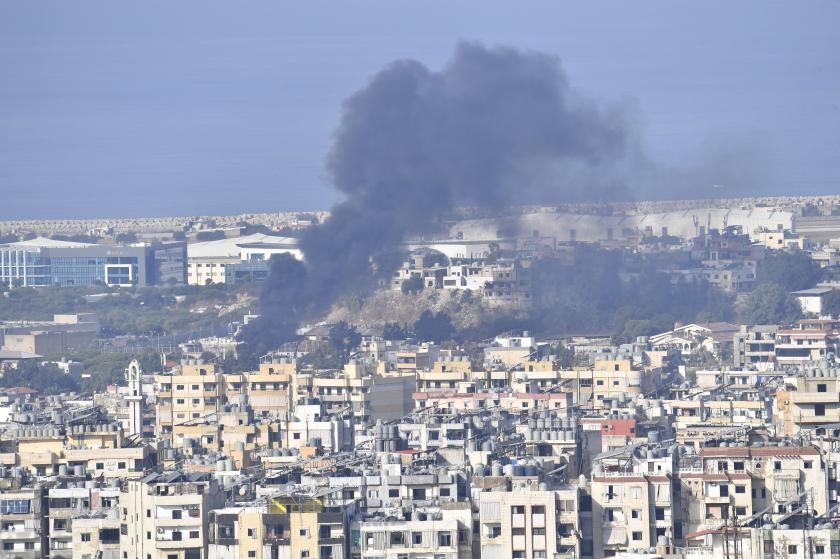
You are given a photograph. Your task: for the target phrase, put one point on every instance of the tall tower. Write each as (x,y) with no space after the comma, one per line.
(134,377)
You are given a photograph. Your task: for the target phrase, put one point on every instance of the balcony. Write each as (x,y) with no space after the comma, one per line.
(718,499)
(815,397)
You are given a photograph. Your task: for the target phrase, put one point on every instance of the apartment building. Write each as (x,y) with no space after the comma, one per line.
(530,524)
(809,401)
(808,340)
(632,500)
(166,516)
(67,504)
(314,528)
(270,389)
(97,535)
(249,531)
(443,533)
(820,542)
(193,391)
(24,523)
(359,390)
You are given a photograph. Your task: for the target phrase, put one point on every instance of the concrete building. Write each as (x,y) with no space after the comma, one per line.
(194,391)
(166,516)
(444,533)
(231,260)
(44,262)
(97,536)
(755,346)
(530,524)
(69,505)
(24,521)
(811,299)
(65,333)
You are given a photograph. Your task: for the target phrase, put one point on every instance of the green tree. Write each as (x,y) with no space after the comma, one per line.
(831,304)
(564,357)
(393,331)
(344,339)
(46,379)
(210,235)
(414,284)
(127,237)
(434,327)
(770,304)
(791,271)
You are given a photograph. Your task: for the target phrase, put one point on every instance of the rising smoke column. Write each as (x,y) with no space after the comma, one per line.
(416,143)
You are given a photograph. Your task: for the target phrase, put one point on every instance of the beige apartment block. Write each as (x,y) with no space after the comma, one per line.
(165,516)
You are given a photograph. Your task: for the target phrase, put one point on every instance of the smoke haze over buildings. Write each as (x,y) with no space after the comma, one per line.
(494,127)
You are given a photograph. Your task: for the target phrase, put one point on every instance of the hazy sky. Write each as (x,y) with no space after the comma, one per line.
(198,107)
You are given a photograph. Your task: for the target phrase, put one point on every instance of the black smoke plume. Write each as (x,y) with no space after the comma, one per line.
(416,143)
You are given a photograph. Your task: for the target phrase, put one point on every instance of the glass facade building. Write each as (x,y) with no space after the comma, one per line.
(27,265)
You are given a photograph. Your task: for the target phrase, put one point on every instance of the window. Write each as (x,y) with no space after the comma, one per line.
(819,409)
(250,532)
(444,492)
(738,466)
(637,536)
(819,549)
(86,537)
(194,534)
(777,466)
(444,540)
(393,493)
(660,513)
(252,553)
(304,533)
(808,464)
(538,509)
(740,511)
(635,514)
(517,531)
(724,491)
(740,489)
(100,466)
(296,436)
(176,514)
(416,538)
(791,550)
(148,535)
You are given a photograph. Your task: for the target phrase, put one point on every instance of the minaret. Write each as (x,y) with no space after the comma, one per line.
(134,376)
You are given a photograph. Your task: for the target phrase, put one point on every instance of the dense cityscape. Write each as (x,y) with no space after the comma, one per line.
(698,416)
(419,280)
